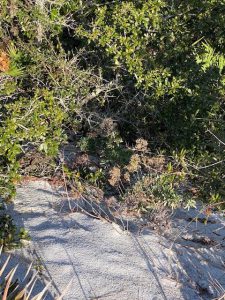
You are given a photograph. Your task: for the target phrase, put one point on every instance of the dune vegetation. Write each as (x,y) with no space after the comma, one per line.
(137,87)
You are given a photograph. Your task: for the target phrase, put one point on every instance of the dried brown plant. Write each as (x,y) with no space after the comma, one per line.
(4,61)
(114,176)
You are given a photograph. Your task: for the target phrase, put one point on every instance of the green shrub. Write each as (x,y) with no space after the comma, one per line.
(44,90)
(173,52)
(122,69)
(161,45)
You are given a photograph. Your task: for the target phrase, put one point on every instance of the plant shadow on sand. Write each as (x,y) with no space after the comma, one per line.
(199,245)
(104,263)
(25,262)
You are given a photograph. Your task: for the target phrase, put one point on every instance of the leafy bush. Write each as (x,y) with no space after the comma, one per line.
(122,70)
(150,191)
(173,52)
(161,45)
(43,89)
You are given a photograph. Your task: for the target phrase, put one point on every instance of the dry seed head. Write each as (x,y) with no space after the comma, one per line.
(4,61)
(134,163)
(114,176)
(126,177)
(141,145)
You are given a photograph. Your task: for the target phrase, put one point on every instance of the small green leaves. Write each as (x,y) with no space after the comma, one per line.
(209,58)
(10,236)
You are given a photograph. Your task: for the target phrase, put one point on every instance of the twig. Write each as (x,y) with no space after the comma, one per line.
(221,142)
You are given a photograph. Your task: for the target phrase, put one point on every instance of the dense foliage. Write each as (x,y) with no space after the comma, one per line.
(173,51)
(115,72)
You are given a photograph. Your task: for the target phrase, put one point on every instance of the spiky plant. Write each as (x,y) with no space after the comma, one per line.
(13,289)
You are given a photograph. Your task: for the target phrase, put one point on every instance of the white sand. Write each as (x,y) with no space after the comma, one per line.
(109,264)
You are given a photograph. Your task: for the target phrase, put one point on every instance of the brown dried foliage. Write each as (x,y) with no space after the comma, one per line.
(114,176)
(4,61)
(141,145)
(134,163)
